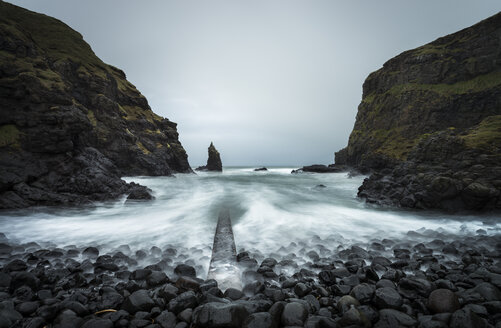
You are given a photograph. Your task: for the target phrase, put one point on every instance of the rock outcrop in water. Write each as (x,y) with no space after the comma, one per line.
(429,124)
(71,125)
(213,162)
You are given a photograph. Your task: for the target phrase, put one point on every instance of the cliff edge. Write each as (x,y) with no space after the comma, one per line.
(429,124)
(71,125)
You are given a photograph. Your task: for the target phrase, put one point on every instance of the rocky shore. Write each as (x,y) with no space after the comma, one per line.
(428,279)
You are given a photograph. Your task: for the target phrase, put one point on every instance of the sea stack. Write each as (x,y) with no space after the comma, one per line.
(213,162)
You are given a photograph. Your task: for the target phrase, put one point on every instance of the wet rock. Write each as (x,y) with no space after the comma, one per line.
(389,318)
(156,278)
(187,283)
(9,315)
(185,300)
(16,265)
(259,320)
(261,169)
(166,319)
(353,317)
(465,318)
(233,293)
(91,252)
(301,289)
(27,308)
(363,292)
(443,300)
(346,302)
(139,300)
(214,315)
(387,298)
(98,323)
(294,314)
(185,270)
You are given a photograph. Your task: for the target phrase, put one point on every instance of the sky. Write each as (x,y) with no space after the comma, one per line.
(270,82)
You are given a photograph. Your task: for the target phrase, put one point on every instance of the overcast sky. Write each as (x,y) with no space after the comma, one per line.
(269,82)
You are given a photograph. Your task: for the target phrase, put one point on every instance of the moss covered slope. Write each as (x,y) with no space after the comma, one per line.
(451,83)
(429,124)
(59,100)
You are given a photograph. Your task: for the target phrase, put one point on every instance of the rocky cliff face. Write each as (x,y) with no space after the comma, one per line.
(429,124)
(71,125)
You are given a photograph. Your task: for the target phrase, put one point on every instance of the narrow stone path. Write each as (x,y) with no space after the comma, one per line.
(223,265)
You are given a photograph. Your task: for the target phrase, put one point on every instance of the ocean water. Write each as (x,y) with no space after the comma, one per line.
(269,210)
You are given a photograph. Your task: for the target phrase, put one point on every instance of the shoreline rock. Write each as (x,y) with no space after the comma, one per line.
(384,282)
(319,168)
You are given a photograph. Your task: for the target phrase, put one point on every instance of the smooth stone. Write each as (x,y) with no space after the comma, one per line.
(390,318)
(346,302)
(212,315)
(363,292)
(294,314)
(139,300)
(185,270)
(259,320)
(387,298)
(443,300)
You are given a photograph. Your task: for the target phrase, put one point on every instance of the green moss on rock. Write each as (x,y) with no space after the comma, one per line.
(9,136)
(486,135)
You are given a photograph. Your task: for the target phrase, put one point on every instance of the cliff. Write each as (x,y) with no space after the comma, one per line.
(71,125)
(429,124)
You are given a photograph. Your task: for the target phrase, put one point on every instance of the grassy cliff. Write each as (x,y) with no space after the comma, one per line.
(61,103)
(451,83)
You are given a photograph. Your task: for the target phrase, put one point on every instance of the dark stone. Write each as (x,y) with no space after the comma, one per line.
(346,302)
(27,308)
(294,314)
(16,265)
(98,323)
(156,278)
(140,193)
(233,293)
(259,320)
(183,301)
(387,298)
(261,169)
(185,270)
(138,301)
(363,292)
(443,300)
(166,319)
(219,315)
(465,318)
(301,289)
(389,318)
(92,252)
(9,315)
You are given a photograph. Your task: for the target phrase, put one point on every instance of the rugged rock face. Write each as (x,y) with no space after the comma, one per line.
(430,124)
(71,125)
(213,162)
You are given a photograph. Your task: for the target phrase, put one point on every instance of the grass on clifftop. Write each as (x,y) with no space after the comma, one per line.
(486,135)
(477,84)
